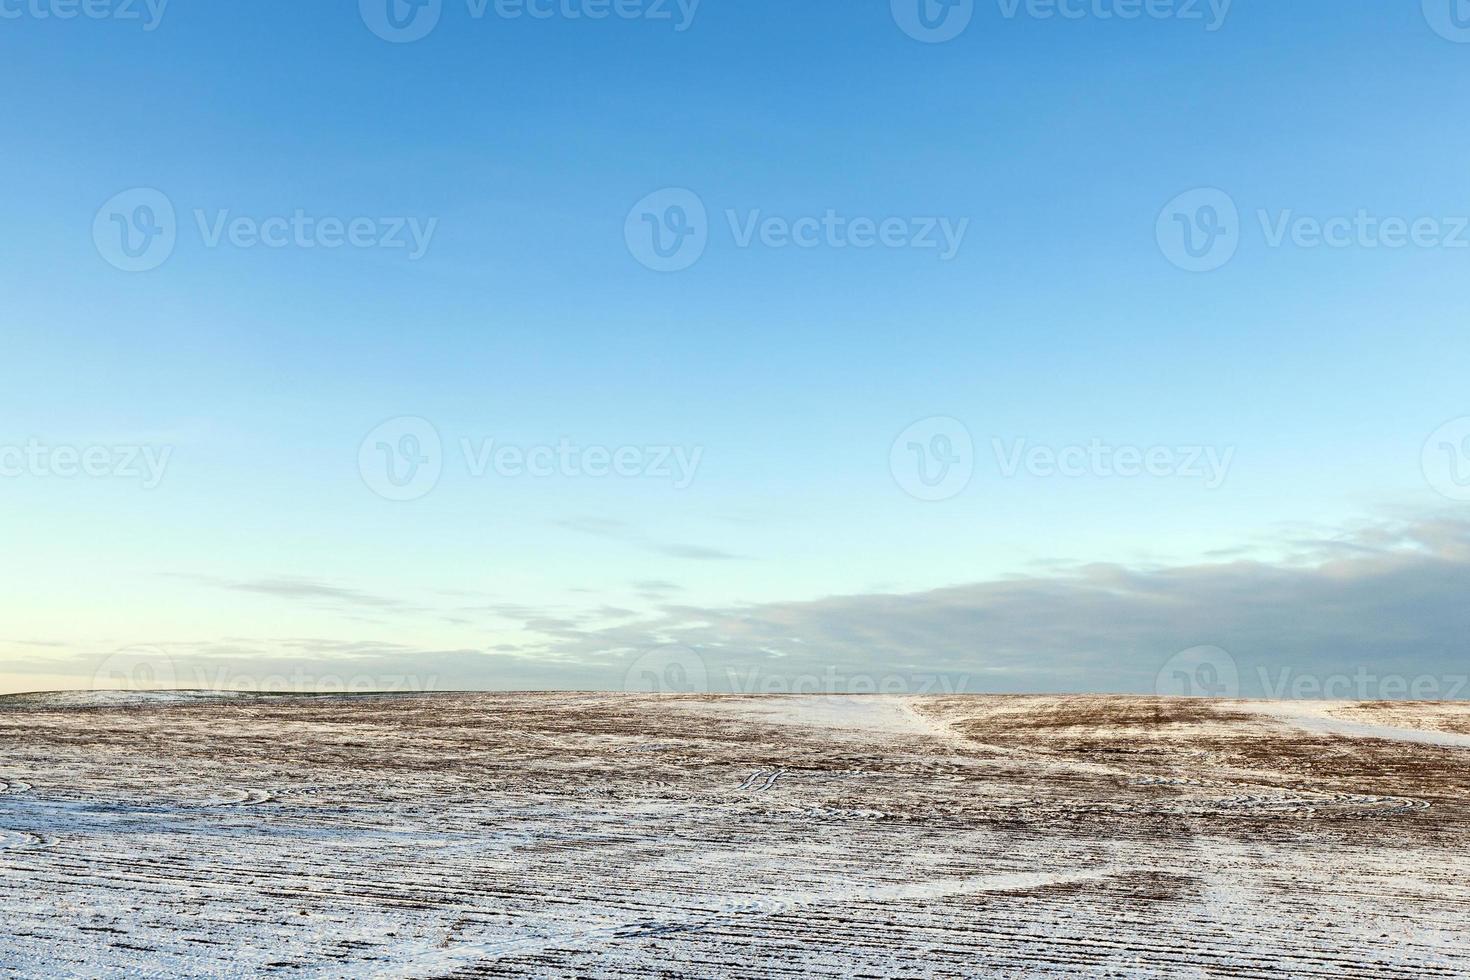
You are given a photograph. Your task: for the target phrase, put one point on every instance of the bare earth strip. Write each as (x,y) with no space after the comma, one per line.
(564,835)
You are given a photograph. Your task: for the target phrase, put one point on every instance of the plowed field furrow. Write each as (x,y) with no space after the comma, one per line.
(584,835)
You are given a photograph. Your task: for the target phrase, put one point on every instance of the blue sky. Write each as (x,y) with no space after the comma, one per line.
(1060,322)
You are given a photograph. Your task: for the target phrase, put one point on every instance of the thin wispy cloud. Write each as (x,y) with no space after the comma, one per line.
(656,586)
(308,590)
(620,531)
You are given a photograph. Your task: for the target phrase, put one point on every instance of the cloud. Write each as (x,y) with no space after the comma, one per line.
(656,586)
(694,552)
(595,525)
(1383,598)
(1386,599)
(357,605)
(310,664)
(619,531)
(308,590)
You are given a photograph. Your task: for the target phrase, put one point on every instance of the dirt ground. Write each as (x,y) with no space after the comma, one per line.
(586,835)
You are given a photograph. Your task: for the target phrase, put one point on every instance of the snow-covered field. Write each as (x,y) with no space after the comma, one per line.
(561,835)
